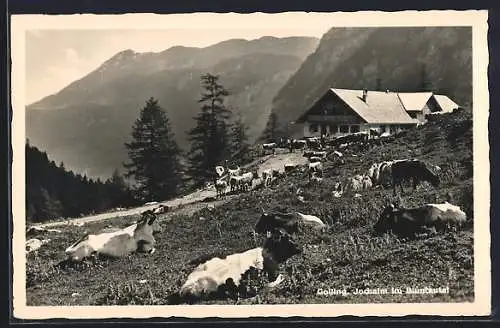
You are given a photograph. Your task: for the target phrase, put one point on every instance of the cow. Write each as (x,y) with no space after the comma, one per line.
(355,183)
(407,221)
(415,169)
(224,275)
(321,154)
(233,172)
(316,166)
(247,179)
(219,170)
(34,230)
(313,143)
(308,153)
(349,138)
(269,175)
(235,182)
(33,244)
(270,220)
(289,167)
(296,144)
(314,159)
(220,187)
(269,146)
(367,182)
(315,176)
(137,237)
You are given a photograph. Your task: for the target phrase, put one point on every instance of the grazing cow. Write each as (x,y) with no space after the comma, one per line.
(321,154)
(308,153)
(380,173)
(315,176)
(406,221)
(219,170)
(316,167)
(269,146)
(313,143)
(289,168)
(137,237)
(314,159)
(354,183)
(367,182)
(32,245)
(415,169)
(288,221)
(268,176)
(220,187)
(247,179)
(224,275)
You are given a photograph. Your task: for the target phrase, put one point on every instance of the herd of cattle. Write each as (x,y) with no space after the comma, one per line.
(224,273)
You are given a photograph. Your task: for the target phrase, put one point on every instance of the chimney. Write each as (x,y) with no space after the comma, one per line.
(365,94)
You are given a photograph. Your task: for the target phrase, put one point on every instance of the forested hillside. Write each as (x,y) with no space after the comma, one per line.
(53,192)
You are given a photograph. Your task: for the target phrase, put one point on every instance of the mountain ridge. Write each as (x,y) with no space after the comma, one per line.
(94,114)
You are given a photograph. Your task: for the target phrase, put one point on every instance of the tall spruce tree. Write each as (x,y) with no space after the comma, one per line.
(239,142)
(272,132)
(210,137)
(154,155)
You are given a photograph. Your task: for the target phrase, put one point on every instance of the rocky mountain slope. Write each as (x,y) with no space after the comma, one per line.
(401,59)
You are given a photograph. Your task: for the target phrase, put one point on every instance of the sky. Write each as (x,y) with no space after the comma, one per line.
(55,58)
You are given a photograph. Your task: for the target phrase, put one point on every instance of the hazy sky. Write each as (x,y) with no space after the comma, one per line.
(55,58)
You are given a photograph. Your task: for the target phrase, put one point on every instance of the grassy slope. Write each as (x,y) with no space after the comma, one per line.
(348,255)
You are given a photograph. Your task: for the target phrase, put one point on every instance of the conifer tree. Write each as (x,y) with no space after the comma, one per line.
(239,142)
(272,132)
(210,137)
(154,155)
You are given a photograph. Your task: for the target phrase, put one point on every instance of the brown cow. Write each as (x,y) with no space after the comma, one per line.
(414,169)
(407,221)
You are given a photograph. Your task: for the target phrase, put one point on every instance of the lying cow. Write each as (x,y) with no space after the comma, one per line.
(288,221)
(32,245)
(268,176)
(247,180)
(225,274)
(407,221)
(320,154)
(411,169)
(137,237)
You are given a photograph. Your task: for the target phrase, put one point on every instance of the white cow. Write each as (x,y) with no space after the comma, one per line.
(210,276)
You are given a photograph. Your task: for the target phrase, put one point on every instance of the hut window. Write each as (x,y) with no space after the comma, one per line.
(344,129)
(313,128)
(354,128)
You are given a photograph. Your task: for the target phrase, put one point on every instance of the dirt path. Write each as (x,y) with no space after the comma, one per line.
(264,163)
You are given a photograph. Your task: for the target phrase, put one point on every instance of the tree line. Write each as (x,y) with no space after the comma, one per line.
(53,192)
(156,165)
